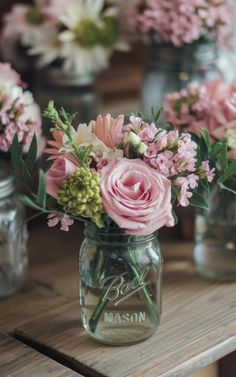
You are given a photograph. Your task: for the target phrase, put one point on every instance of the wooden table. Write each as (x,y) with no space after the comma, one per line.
(41,334)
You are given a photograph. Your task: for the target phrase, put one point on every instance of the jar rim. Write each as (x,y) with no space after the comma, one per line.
(102,235)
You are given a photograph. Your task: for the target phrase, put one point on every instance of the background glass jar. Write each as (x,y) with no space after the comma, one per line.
(215,242)
(13,236)
(171,69)
(120,285)
(75,93)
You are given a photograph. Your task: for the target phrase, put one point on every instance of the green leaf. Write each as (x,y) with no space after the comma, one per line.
(194,137)
(222,163)
(217,149)
(176,220)
(156,114)
(198,200)
(206,137)
(30,203)
(32,154)
(230,172)
(205,185)
(16,152)
(42,191)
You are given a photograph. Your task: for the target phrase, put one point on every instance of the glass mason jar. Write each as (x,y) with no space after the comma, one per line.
(76,94)
(13,237)
(120,285)
(215,242)
(171,69)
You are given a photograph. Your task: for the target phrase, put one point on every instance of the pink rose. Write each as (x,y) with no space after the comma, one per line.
(108,129)
(136,197)
(60,170)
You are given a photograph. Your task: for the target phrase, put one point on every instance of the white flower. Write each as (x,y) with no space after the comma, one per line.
(78,10)
(84,137)
(82,61)
(45,44)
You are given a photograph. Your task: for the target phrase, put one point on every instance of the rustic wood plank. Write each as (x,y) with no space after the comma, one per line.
(19,360)
(33,299)
(54,257)
(198,328)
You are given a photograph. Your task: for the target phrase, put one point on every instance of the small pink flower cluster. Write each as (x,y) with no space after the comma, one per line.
(18,112)
(137,163)
(180,21)
(171,155)
(211,105)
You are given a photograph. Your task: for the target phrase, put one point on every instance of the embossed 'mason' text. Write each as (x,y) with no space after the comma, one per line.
(124,317)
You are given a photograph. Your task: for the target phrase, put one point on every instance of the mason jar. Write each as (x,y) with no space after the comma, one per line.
(171,69)
(13,237)
(120,285)
(215,240)
(75,93)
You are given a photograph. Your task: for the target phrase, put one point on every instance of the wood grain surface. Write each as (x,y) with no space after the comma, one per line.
(198,327)
(18,360)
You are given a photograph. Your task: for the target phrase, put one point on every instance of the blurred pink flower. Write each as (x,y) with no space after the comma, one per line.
(179,21)
(211,105)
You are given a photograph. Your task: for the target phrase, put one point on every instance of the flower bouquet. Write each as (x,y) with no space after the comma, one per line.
(79,35)
(212,106)
(20,115)
(179,22)
(184,41)
(121,177)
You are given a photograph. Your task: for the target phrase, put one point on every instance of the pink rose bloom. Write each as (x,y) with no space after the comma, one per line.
(108,129)
(60,170)
(136,197)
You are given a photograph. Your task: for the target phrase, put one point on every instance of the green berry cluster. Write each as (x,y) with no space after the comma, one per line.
(80,195)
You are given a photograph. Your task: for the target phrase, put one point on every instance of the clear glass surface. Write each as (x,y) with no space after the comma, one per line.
(215,242)
(171,69)
(120,286)
(13,249)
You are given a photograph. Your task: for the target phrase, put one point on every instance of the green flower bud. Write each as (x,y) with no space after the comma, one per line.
(133,139)
(80,195)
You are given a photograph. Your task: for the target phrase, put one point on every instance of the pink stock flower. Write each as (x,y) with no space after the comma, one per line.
(179,21)
(19,114)
(206,171)
(60,170)
(136,197)
(211,105)
(7,74)
(184,193)
(65,220)
(108,129)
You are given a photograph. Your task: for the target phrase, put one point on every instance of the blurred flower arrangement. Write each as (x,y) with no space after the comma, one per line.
(19,114)
(179,22)
(211,105)
(125,173)
(80,35)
